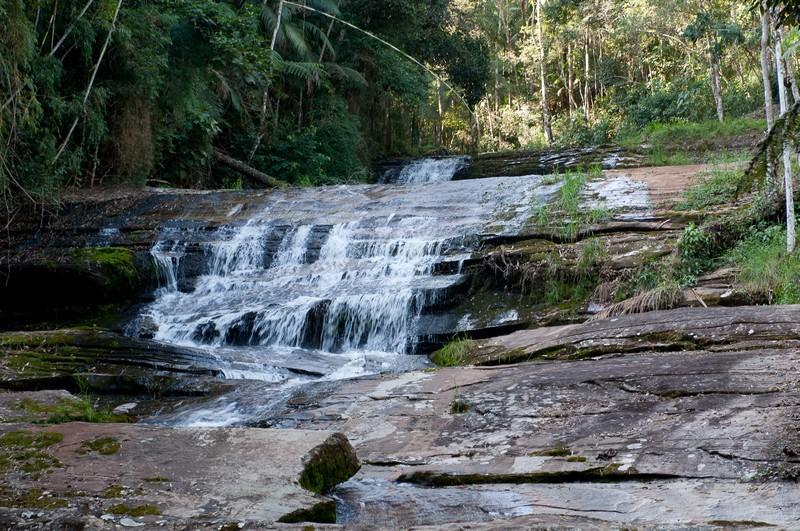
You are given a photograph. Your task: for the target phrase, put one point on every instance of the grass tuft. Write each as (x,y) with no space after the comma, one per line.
(765,268)
(454,354)
(459,406)
(716,187)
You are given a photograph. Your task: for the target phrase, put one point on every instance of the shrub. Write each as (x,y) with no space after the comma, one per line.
(695,249)
(765,267)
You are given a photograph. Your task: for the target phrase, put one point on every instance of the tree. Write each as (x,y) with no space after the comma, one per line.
(716,34)
(548,132)
(787,152)
(765,78)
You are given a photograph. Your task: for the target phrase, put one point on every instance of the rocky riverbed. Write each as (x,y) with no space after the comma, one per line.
(258,359)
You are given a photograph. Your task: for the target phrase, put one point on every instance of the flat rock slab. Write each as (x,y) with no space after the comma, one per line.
(694,504)
(731,328)
(684,436)
(32,406)
(203,475)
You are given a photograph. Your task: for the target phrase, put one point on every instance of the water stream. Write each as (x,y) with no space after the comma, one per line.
(330,283)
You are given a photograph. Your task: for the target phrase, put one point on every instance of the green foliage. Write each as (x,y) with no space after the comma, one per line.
(182,78)
(569,291)
(575,130)
(671,135)
(454,354)
(718,186)
(565,212)
(764,266)
(695,250)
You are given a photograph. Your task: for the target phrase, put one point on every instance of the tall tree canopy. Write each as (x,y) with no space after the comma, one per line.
(104,91)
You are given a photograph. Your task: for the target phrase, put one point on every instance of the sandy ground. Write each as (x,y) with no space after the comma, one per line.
(668,183)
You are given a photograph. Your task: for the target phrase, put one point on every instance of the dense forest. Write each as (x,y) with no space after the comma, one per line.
(175,91)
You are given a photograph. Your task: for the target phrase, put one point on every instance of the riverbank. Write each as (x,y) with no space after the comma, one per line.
(227,320)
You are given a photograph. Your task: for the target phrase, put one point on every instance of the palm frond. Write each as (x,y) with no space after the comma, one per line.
(346,74)
(303,70)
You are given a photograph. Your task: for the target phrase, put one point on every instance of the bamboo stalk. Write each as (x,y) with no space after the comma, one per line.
(91,81)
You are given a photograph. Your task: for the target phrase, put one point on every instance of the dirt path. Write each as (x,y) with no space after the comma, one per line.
(667,184)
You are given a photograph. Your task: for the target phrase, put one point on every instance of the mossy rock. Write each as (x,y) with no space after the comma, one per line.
(321,513)
(67,410)
(76,279)
(329,464)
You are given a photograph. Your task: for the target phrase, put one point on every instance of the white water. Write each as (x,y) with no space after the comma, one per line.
(167,258)
(328,283)
(431,170)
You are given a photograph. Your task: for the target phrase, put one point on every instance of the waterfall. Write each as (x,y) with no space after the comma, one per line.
(167,257)
(328,282)
(427,170)
(364,291)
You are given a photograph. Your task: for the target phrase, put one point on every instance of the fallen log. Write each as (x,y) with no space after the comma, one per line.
(248,171)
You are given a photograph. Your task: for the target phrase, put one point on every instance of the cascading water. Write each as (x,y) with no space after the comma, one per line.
(364,291)
(167,256)
(427,170)
(329,282)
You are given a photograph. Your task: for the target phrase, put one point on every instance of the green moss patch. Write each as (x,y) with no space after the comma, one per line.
(322,513)
(557,451)
(135,510)
(68,410)
(32,499)
(119,263)
(100,445)
(114,491)
(28,439)
(21,451)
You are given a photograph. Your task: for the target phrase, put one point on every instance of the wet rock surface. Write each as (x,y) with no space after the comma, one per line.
(155,476)
(664,419)
(103,362)
(671,434)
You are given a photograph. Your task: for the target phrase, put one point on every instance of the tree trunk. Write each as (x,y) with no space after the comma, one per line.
(787,152)
(440,121)
(788,70)
(247,170)
(570,80)
(772,184)
(91,80)
(586,103)
(716,87)
(277,26)
(548,132)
